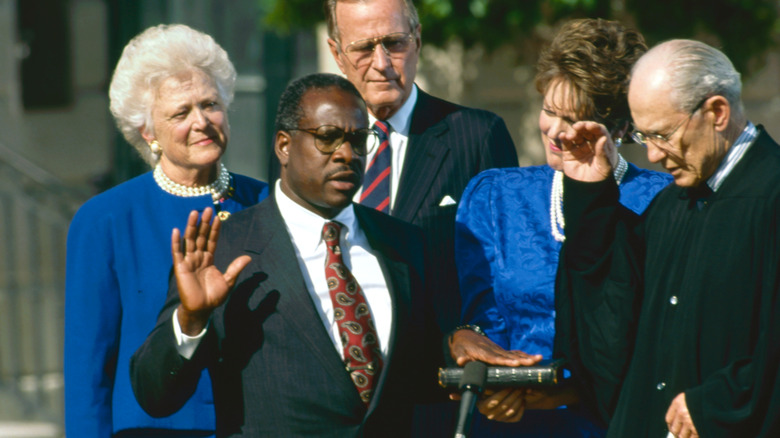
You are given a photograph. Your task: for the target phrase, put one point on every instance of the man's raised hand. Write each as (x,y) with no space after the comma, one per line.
(202,287)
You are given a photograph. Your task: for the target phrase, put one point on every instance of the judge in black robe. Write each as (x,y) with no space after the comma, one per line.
(673,318)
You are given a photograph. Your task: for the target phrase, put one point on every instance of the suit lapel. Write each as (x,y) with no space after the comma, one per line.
(425,153)
(269,244)
(397,277)
(272,251)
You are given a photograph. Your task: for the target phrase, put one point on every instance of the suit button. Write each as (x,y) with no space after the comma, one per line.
(660,386)
(673,300)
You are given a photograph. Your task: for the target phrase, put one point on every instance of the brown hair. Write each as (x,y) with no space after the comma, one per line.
(595,57)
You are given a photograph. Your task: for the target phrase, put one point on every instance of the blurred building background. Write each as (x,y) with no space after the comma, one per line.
(59,144)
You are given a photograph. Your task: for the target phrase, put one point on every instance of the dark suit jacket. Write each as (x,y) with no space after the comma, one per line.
(274,368)
(448,145)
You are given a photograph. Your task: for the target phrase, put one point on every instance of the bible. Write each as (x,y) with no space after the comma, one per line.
(545,373)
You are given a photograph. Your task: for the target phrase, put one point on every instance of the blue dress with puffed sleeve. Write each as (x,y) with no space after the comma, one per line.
(117,271)
(507,259)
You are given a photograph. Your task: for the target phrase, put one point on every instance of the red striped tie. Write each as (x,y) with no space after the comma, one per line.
(376,184)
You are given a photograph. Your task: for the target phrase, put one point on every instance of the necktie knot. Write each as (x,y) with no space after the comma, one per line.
(376,183)
(331,232)
(382,129)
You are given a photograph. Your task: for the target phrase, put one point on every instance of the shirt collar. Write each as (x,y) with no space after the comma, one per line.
(305,226)
(734,155)
(401,121)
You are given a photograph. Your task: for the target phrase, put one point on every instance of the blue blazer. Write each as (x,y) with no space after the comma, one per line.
(117,269)
(273,365)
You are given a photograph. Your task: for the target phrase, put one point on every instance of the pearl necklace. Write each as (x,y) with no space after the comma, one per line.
(217,188)
(556,198)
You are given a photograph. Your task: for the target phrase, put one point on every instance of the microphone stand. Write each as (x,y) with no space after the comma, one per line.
(471,385)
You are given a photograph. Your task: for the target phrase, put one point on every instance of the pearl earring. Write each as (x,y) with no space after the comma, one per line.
(155,148)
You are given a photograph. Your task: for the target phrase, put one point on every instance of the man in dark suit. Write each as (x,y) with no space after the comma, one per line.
(280,345)
(435,147)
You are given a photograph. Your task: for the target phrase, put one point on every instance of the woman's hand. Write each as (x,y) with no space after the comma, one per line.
(202,287)
(589,154)
(509,405)
(506,406)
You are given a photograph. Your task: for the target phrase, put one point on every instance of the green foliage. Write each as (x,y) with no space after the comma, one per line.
(493,23)
(490,23)
(744,28)
(285,16)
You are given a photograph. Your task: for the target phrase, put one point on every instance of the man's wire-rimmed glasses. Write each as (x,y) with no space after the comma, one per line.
(658,140)
(329,138)
(361,52)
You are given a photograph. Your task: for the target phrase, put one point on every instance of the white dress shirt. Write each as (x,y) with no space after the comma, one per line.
(400,124)
(734,155)
(305,227)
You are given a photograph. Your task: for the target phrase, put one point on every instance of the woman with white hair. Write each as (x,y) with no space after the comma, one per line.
(169,95)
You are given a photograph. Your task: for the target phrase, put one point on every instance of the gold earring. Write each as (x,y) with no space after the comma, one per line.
(155,147)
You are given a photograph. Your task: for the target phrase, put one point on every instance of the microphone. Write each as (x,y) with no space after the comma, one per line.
(471,385)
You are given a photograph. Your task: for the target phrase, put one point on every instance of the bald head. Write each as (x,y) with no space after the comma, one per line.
(687,71)
(685,102)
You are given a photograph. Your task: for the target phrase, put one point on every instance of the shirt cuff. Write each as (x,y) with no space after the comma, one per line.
(186,345)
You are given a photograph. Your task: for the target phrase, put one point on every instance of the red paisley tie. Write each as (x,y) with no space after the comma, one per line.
(362,356)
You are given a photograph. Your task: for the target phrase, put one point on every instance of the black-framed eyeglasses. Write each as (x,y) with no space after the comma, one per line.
(658,139)
(329,138)
(361,52)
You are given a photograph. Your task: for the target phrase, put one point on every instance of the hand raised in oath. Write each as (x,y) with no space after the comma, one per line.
(202,287)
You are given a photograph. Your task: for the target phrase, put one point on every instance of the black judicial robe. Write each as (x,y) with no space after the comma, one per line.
(682,299)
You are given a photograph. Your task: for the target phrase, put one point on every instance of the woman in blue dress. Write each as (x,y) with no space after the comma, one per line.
(509,229)
(169,95)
